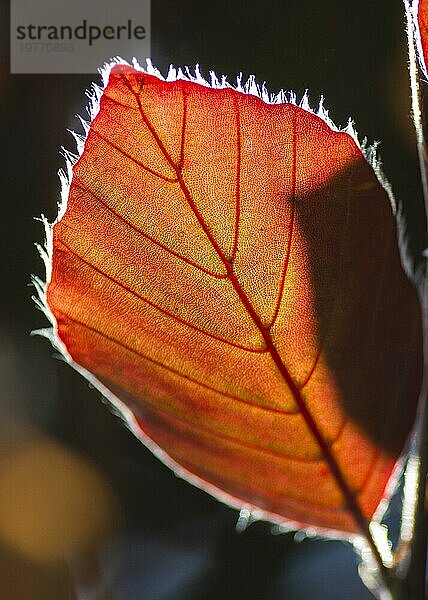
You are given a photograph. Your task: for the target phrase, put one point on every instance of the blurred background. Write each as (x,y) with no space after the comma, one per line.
(86,512)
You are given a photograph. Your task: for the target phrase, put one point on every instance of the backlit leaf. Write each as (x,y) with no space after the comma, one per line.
(227,268)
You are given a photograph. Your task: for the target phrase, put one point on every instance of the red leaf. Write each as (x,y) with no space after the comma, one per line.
(228,269)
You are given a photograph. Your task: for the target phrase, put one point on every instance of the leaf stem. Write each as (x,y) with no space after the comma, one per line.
(411,555)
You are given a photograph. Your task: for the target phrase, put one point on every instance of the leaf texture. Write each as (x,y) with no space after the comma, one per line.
(228,269)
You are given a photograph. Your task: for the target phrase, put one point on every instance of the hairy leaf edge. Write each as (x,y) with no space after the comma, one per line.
(251,87)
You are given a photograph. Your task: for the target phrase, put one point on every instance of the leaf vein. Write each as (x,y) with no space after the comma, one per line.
(238,180)
(159,308)
(180,374)
(139,163)
(79,183)
(290,229)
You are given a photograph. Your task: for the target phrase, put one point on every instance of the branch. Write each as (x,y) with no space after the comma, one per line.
(411,555)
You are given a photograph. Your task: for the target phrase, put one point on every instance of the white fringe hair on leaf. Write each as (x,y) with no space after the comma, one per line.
(248,512)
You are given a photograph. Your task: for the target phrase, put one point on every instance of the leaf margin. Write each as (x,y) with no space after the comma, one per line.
(370,153)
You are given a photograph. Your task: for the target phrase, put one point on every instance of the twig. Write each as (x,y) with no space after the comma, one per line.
(411,555)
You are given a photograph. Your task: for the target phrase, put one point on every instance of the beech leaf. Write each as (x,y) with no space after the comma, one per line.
(225,269)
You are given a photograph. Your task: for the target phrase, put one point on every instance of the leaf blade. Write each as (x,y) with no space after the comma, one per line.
(246,313)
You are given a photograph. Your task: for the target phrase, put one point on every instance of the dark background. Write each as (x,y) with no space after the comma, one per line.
(85,510)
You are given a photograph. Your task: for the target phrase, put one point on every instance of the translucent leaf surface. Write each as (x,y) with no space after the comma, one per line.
(228,269)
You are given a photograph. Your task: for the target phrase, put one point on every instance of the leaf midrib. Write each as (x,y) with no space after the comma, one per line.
(335,470)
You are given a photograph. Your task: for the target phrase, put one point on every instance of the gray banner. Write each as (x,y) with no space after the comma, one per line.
(59,36)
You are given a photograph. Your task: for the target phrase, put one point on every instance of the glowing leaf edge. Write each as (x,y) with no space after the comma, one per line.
(252,88)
